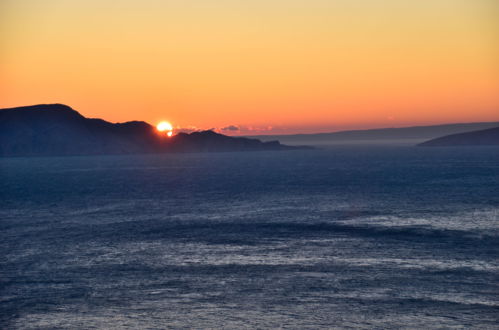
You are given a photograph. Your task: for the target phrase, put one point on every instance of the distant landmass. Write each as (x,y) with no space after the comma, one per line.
(57,129)
(402,135)
(475,138)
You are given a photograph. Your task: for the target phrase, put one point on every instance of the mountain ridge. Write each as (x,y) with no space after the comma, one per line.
(410,135)
(486,137)
(59,130)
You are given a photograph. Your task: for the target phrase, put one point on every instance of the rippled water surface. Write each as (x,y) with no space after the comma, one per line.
(392,237)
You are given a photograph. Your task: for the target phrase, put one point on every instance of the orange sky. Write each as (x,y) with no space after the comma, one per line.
(265,66)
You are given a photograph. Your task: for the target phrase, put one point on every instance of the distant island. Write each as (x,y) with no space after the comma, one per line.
(380,136)
(58,130)
(484,137)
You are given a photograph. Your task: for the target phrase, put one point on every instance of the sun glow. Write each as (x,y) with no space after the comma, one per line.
(165,126)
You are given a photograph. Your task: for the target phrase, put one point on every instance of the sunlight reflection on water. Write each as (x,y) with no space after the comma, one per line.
(358,238)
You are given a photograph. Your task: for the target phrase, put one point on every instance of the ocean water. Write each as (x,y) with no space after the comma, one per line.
(357,237)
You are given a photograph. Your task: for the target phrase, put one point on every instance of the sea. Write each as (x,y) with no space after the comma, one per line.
(343,237)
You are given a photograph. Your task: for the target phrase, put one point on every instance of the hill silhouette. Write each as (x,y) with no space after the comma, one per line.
(475,138)
(57,129)
(397,135)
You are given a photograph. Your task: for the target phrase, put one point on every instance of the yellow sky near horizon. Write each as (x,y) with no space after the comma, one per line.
(295,65)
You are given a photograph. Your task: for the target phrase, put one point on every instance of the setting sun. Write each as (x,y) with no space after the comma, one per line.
(165,126)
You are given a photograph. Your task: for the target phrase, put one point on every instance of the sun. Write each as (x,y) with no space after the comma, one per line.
(165,126)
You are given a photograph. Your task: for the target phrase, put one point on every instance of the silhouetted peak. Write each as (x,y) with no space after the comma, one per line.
(206,133)
(45,107)
(44,110)
(135,124)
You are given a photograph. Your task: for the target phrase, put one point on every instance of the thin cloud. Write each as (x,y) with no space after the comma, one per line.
(188,129)
(230,128)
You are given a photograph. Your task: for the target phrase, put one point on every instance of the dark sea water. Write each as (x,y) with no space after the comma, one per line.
(380,237)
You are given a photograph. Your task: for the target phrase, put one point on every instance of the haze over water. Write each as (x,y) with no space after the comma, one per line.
(379,237)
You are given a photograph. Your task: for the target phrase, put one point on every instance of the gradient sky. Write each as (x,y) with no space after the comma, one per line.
(269,66)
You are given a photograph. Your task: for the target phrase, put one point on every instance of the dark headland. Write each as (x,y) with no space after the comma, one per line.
(486,137)
(58,130)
